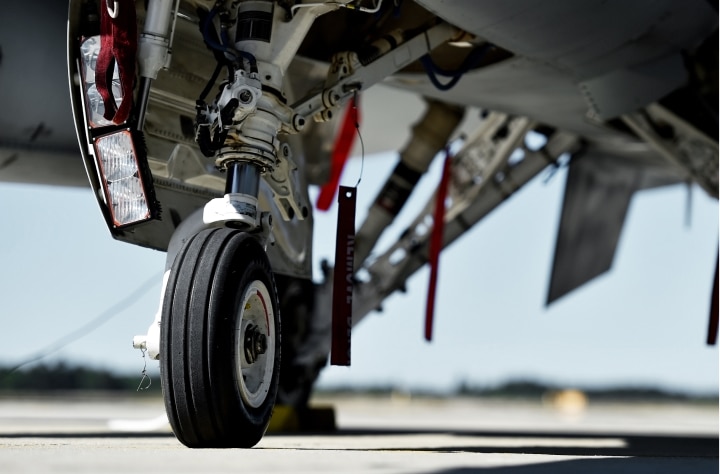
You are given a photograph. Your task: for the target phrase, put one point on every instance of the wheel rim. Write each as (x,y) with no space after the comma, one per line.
(255,343)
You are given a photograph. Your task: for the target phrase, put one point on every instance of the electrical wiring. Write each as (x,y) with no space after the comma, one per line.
(209,40)
(471,61)
(223,46)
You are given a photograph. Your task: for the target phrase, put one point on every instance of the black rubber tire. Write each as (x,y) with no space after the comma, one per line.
(198,350)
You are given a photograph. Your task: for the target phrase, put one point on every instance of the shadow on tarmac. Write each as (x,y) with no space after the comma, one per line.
(632,445)
(83,435)
(600,466)
(657,454)
(660,446)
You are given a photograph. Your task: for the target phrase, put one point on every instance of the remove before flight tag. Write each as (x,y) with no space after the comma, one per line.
(343,277)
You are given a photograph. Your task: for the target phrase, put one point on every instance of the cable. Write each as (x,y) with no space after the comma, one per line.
(206,31)
(211,82)
(349,6)
(362,143)
(429,67)
(470,62)
(222,46)
(90,326)
(374,9)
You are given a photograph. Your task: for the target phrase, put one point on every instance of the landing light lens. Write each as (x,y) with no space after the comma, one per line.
(121,177)
(89,50)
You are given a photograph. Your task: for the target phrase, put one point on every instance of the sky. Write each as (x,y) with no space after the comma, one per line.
(644,323)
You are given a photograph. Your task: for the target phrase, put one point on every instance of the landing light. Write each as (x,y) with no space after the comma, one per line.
(95,108)
(121,178)
(117,160)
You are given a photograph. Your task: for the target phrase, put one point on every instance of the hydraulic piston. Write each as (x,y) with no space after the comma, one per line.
(429,136)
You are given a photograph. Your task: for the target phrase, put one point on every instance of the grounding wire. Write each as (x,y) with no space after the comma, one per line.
(362,143)
(90,326)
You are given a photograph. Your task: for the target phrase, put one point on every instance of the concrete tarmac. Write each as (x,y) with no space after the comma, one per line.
(398,434)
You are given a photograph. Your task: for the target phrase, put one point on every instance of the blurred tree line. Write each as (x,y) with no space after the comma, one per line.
(529,390)
(61,376)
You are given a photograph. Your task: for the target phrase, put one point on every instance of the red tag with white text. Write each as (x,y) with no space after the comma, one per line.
(343,278)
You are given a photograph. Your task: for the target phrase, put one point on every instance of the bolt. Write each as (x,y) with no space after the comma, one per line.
(255,343)
(298,122)
(245,96)
(260,343)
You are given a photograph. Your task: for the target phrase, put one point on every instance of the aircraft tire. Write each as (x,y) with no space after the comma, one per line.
(220,341)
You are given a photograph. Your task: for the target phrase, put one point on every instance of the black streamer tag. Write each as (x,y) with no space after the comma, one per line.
(343,278)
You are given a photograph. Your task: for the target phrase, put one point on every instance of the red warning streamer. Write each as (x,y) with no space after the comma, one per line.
(436,242)
(118,43)
(341,152)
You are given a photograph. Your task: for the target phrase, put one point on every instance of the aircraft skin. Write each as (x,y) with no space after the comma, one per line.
(627,90)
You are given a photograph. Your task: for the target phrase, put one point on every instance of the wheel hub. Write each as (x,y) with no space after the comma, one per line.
(254,335)
(255,343)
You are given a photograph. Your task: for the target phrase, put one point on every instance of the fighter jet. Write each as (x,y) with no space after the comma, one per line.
(200,125)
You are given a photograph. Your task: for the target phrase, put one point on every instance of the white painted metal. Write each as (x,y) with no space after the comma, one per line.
(238,209)
(151,340)
(362,77)
(254,377)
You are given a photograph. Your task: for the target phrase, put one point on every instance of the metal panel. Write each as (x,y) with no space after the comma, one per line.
(597,195)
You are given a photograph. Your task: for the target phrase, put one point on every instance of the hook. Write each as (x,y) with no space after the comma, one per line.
(115,10)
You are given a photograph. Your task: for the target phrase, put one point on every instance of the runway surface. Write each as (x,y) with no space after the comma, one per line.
(88,434)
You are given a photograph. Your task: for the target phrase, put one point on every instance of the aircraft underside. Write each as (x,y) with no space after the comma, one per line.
(202,124)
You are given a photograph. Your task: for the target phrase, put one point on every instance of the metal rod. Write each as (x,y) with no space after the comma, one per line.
(143,98)
(242,178)
(158,17)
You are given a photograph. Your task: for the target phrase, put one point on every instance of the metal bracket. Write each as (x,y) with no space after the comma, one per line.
(691,152)
(342,84)
(282,184)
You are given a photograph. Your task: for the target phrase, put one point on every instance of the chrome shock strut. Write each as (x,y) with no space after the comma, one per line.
(242,183)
